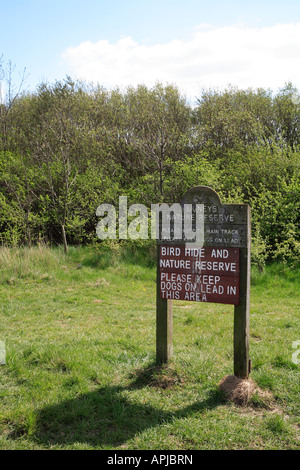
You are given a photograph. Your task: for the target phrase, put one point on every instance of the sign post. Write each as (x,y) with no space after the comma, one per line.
(164,321)
(242,310)
(217,269)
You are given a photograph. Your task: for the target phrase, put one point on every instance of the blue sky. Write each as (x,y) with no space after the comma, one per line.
(194,44)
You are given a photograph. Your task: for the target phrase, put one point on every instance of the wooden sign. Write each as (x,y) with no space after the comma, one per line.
(205,274)
(216,270)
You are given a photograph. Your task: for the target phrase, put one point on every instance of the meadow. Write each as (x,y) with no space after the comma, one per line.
(80,372)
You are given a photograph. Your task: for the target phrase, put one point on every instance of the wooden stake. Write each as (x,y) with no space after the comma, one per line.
(164,323)
(242,311)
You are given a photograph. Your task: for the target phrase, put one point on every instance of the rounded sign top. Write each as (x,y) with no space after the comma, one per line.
(201,195)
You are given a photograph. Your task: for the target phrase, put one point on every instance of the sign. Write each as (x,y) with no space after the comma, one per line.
(213,270)
(205,274)
(213,267)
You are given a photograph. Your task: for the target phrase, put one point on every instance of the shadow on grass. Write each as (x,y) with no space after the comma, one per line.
(107,417)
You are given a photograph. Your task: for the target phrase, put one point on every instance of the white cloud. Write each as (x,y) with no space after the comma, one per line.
(214,57)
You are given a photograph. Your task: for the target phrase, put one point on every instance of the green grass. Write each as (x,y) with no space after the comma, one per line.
(80,373)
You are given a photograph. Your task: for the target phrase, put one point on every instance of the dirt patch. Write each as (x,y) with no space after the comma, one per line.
(244,392)
(158,376)
(166,379)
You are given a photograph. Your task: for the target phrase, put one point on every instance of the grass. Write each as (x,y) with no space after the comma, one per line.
(80,372)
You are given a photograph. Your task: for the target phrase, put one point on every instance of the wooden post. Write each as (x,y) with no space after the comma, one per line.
(164,323)
(242,311)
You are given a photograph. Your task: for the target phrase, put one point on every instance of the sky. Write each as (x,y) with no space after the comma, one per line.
(193,44)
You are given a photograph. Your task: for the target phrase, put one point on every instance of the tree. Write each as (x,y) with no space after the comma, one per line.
(57,148)
(287,117)
(10,91)
(18,216)
(234,119)
(158,123)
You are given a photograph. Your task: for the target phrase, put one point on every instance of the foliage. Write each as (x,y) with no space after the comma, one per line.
(71,146)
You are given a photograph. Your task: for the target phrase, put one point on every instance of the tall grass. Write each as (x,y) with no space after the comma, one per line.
(42,262)
(28,263)
(111,253)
